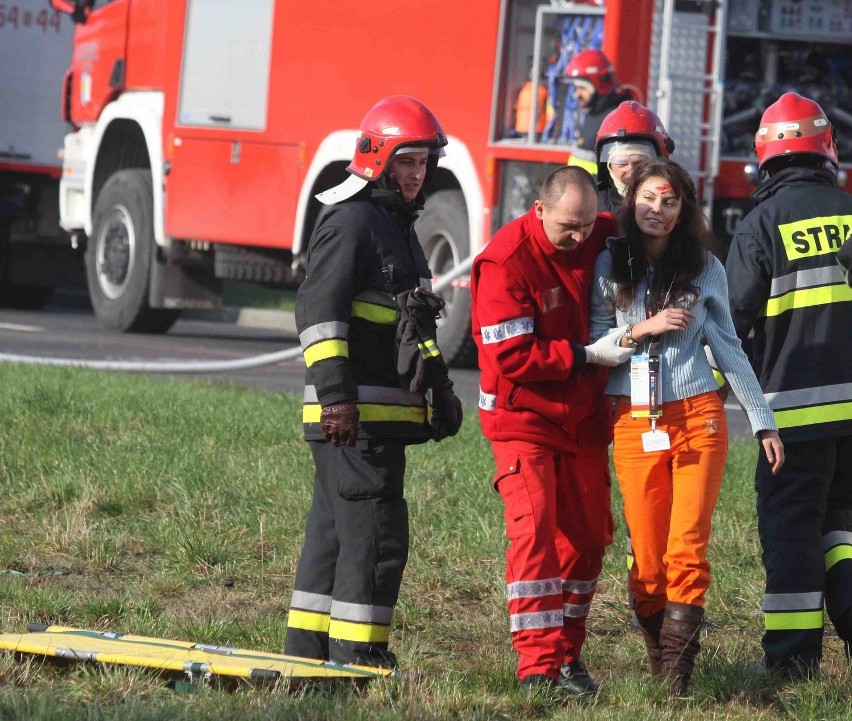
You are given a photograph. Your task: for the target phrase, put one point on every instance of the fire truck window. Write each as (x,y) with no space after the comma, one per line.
(557,33)
(779,46)
(225,72)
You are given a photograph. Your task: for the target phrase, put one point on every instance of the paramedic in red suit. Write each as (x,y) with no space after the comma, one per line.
(543,409)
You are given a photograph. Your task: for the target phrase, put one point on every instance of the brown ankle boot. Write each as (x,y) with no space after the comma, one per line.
(679,638)
(650,627)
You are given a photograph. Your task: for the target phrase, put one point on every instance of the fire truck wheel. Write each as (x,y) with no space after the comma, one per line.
(444,234)
(120,253)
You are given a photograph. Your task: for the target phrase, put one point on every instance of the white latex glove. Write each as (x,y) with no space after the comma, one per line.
(606,351)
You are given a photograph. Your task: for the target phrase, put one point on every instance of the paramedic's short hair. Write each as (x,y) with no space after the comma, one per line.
(555,185)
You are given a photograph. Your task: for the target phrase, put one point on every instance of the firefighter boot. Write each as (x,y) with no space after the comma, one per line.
(679,638)
(650,628)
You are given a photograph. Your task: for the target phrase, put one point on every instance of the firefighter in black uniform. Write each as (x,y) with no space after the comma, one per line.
(362,259)
(598,91)
(786,285)
(844,258)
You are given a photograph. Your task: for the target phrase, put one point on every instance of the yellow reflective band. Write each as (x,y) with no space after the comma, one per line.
(429,349)
(814,415)
(371,413)
(793,621)
(837,554)
(308,620)
(374,313)
(364,632)
(815,236)
(629,561)
(326,349)
(589,165)
(807,298)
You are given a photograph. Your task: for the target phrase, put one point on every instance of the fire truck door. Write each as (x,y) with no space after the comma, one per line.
(98,65)
(689,49)
(232,192)
(230,176)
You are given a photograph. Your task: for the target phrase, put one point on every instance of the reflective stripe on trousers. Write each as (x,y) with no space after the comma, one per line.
(557,515)
(355,551)
(805,524)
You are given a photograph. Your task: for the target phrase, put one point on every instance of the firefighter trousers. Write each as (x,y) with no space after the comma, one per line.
(805,522)
(355,551)
(669,498)
(558,521)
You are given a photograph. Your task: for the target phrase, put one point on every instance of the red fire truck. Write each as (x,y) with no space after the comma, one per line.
(35,41)
(203,129)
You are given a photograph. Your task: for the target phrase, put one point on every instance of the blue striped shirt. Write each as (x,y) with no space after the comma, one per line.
(684,368)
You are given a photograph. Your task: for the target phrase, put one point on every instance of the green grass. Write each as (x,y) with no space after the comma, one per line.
(176,509)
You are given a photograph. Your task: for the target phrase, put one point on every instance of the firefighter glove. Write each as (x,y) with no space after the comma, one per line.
(420,364)
(339,422)
(606,351)
(446,412)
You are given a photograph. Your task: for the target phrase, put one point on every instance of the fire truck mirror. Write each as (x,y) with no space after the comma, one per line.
(77,9)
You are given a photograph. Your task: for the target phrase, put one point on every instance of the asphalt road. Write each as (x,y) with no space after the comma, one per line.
(68,329)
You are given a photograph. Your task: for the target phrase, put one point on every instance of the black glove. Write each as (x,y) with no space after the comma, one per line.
(339,422)
(419,362)
(446,413)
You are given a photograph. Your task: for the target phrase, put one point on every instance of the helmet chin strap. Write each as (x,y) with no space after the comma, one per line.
(620,186)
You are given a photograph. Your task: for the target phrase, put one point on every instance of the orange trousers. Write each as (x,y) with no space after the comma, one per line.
(669,497)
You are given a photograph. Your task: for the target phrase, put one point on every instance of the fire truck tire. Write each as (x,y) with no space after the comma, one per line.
(120,254)
(445,236)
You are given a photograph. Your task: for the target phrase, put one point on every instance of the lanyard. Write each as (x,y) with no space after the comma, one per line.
(654,351)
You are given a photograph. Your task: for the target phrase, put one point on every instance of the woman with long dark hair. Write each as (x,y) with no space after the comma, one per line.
(668,293)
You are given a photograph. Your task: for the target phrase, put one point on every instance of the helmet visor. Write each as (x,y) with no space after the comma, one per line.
(627,152)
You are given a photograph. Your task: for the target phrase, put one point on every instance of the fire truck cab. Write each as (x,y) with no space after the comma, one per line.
(202,130)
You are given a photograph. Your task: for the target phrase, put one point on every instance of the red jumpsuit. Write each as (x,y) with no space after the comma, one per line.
(549,425)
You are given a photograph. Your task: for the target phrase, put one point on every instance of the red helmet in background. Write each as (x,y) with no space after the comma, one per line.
(632,121)
(392,123)
(794,125)
(595,67)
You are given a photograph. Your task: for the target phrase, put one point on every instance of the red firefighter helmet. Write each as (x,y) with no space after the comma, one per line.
(393,123)
(632,121)
(594,66)
(794,125)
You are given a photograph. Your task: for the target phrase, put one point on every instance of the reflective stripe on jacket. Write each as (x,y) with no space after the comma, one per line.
(346,316)
(785,283)
(530,302)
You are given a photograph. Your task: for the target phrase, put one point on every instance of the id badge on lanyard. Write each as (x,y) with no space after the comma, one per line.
(645,400)
(646,396)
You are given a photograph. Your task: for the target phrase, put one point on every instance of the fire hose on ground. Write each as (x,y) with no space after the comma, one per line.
(202,366)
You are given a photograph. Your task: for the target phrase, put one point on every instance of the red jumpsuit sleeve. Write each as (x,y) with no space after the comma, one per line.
(506,314)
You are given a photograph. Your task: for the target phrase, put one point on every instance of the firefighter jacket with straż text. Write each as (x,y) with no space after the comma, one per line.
(530,303)
(785,283)
(363,252)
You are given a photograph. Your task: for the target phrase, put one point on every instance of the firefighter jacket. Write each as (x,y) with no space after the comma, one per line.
(609,199)
(844,257)
(785,283)
(363,253)
(530,303)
